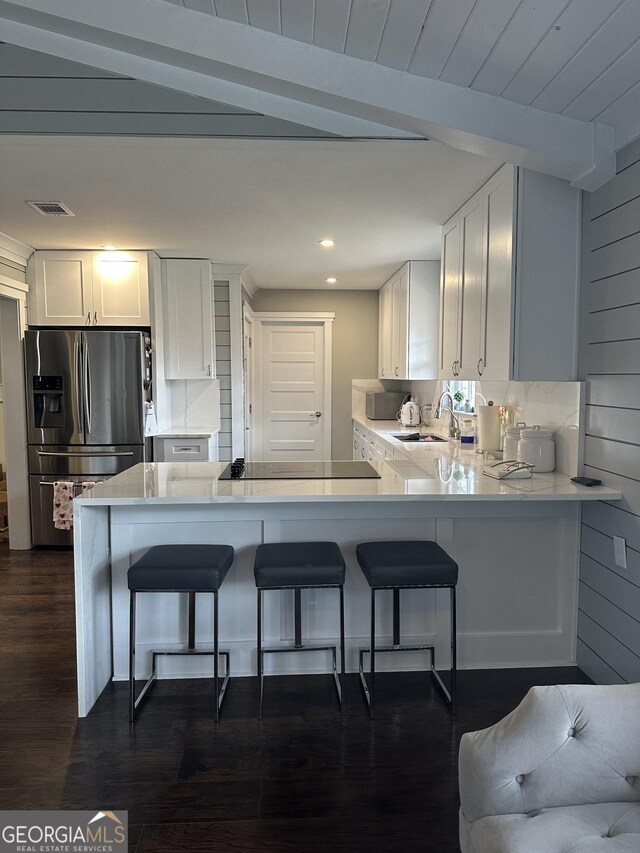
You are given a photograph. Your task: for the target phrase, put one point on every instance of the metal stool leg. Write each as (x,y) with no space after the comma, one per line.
(373,652)
(260,660)
(297,618)
(216,662)
(298,644)
(191,623)
(132,656)
(343,669)
(454,642)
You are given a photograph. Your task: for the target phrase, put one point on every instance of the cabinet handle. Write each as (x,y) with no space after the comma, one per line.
(382,372)
(480,366)
(95,318)
(88,318)
(397,371)
(454,368)
(209,369)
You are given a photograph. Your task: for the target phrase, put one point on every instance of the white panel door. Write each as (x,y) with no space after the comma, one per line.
(293,408)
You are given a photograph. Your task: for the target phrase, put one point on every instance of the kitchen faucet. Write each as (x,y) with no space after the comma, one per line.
(454,426)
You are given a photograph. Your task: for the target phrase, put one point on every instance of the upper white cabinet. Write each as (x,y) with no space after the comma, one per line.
(189,319)
(509,281)
(81,288)
(408,322)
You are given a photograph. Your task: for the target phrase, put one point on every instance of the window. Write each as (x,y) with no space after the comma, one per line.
(463,394)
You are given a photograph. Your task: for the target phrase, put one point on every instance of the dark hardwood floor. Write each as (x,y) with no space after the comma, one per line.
(305,779)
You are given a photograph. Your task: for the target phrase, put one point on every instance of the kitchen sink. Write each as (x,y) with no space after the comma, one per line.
(415,436)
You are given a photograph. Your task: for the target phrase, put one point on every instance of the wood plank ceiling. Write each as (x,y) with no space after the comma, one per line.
(577,58)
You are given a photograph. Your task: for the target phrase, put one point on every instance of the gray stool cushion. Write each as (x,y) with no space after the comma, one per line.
(181,567)
(290,564)
(406,563)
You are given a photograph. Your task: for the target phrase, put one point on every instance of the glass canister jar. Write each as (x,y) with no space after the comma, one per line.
(511,439)
(467,432)
(537,448)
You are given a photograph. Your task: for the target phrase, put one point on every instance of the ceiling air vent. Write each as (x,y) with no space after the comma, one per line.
(51,208)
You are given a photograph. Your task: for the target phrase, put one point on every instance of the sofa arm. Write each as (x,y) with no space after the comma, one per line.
(563,745)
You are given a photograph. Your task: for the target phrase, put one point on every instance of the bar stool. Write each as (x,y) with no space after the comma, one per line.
(298,566)
(407,565)
(179,568)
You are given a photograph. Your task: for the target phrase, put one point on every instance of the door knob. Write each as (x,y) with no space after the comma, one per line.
(318,414)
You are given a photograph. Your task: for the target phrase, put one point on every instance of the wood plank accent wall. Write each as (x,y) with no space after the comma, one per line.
(223,366)
(43,94)
(609,604)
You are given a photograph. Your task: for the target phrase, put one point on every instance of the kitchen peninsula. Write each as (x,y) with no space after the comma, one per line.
(516,544)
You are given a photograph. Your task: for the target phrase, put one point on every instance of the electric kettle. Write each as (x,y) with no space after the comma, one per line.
(410,414)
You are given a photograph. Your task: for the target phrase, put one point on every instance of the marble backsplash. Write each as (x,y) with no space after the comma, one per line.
(195,403)
(558,406)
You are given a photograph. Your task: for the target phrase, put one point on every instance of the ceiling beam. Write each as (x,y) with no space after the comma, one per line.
(245,66)
(56,43)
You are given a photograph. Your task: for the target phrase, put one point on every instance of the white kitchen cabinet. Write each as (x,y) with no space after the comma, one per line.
(509,281)
(189,319)
(367,445)
(408,322)
(362,444)
(185,447)
(120,288)
(385,329)
(81,288)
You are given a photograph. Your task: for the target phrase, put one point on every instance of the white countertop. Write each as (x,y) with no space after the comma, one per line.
(442,473)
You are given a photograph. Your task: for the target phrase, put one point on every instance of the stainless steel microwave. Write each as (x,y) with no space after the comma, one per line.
(384,405)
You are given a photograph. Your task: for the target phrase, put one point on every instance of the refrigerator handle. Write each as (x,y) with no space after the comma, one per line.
(79,384)
(86,369)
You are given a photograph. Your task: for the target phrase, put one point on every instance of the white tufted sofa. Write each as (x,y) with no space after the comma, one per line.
(559,774)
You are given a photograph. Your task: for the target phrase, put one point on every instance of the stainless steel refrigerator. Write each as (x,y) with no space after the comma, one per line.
(86,396)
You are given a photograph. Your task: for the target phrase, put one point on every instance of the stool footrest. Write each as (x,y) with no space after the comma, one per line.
(399,648)
(158,652)
(302,648)
(223,653)
(404,648)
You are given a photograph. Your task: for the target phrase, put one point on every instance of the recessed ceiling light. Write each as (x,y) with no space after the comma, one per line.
(331,280)
(327,244)
(109,248)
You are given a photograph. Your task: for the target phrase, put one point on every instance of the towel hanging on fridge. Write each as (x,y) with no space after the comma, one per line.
(63,494)
(62,498)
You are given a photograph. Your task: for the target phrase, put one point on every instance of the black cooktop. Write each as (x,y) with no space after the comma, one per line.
(312,470)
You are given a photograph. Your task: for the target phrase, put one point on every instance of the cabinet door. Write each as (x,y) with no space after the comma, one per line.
(189,315)
(450,299)
(385,331)
(358,448)
(400,314)
(472,281)
(120,289)
(61,289)
(497,310)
